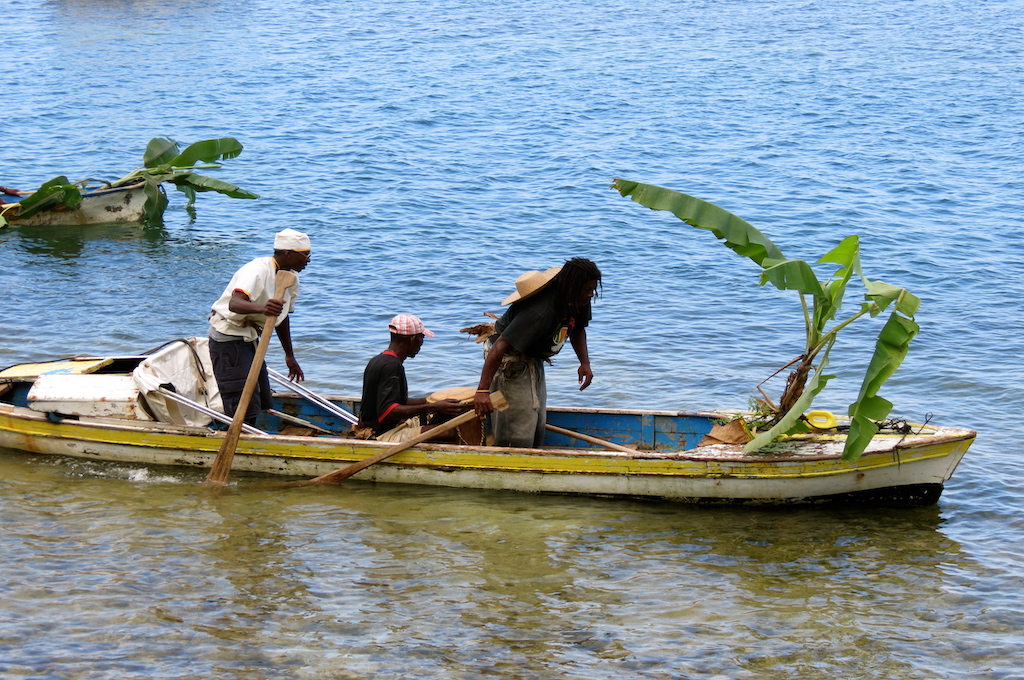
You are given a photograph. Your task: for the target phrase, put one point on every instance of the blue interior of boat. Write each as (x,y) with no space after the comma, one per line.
(652,431)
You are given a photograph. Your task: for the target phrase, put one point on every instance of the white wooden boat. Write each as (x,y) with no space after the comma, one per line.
(120,409)
(98,206)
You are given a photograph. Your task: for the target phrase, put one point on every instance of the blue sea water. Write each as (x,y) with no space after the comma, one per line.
(435,150)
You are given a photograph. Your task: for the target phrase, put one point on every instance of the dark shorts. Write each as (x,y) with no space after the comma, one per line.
(231,362)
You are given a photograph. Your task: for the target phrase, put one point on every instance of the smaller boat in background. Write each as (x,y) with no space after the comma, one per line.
(98,206)
(139,196)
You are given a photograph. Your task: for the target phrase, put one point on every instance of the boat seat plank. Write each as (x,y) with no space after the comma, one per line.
(72,366)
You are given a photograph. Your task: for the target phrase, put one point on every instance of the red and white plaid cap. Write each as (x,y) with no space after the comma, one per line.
(407,324)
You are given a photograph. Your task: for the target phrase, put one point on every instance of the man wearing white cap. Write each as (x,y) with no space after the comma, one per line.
(241,311)
(547,308)
(386,407)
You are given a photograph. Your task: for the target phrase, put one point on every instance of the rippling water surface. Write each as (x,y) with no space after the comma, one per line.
(434,151)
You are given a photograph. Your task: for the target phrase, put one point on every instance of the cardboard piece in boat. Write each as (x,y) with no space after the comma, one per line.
(733,432)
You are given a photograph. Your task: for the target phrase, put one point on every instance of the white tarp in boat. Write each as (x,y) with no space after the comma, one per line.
(183,366)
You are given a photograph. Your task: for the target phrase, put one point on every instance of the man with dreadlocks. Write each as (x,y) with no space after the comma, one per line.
(547,309)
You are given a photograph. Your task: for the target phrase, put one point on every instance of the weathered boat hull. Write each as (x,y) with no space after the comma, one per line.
(116,409)
(121,204)
(909,469)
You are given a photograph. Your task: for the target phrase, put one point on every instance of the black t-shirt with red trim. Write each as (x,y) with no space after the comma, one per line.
(384,387)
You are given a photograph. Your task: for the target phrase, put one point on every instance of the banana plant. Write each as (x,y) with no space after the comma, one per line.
(820,301)
(163,161)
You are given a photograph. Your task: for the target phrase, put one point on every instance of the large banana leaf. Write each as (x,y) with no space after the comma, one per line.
(883,293)
(738,234)
(208,151)
(203,183)
(57,191)
(847,256)
(791,275)
(156,201)
(160,151)
(890,351)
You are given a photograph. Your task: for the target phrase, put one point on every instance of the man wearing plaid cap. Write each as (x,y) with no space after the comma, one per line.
(387,410)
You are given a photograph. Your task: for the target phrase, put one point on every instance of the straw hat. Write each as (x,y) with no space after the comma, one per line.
(531,282)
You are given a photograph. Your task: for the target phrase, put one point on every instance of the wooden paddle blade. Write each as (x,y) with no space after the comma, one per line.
(497,400)
(283,280)
(221,467)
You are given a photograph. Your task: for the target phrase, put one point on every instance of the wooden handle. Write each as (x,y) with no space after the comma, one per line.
(222,463)
(592,440)
(497,400)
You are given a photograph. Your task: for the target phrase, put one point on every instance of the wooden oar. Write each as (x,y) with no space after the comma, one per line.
(592,440)
(222,463)
(497,401)
(299,421)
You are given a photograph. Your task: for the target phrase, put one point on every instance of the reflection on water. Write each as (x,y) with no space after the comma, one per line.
(444,583)
(69,242)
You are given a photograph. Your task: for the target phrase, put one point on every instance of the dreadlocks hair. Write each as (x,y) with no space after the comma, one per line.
(574,278)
